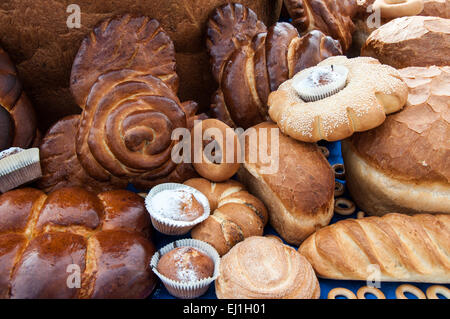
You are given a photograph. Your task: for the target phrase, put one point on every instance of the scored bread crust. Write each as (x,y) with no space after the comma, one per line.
(404,165)
(403,248)
(372,91)
(265,268)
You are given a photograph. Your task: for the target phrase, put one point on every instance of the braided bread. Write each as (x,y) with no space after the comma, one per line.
(105,237)
(332,17)
(249,61)
(124,80)
(236,214)
(405,248)
(17,117)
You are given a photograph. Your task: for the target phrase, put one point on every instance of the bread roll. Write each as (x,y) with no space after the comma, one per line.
(404,165)
(265,268)
(298,192)
(411,41)
(436,8)
(403,248)
(46,240)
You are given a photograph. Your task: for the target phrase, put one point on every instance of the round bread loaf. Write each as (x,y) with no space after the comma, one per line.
(411,41)
(436,8)
(404,165)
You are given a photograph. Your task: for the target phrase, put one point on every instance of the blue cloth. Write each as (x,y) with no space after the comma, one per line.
(326,285)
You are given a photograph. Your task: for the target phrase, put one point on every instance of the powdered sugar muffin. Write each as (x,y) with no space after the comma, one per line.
(178,205)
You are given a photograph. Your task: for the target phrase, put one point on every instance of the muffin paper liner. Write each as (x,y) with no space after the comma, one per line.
(19,168)
(188,290)
(174,227)
(319,92)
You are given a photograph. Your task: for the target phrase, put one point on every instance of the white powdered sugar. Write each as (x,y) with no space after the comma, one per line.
(170,204)
(10,151)
(186,270)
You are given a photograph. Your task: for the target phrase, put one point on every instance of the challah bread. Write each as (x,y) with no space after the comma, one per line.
(236,214)
(249,61)
(403,248)
(295,182)
(265,268)
(17,117)
(403,166)
(46,238)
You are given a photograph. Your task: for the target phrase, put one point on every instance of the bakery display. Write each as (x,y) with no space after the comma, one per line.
(176,208)
(403,166)
(186,267)
(250,60)
(236,214)
(411,41)
(103,237)
(130,108)
(336,98)
(411,249)
(332,17)
(265,268)
(17,117)
(217,162)
(297,189)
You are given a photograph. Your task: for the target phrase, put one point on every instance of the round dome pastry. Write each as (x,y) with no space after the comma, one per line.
(265,268)
(336,111)
(392,9)
(404,165)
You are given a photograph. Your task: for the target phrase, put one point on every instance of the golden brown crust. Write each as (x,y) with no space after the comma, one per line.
(404,248)
(411,41)
(265,268)
(299,195)
(104,235)
(436,8)
(236,214)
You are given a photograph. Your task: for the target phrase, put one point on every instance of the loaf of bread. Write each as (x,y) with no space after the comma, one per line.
(411,41)
(17,117)
(236,214)
(403,166)
(74,244)
(44,53)
(332,17)
(265,268)
(436,8)
(395,247)
(293,179)
(249,61)
(124,80)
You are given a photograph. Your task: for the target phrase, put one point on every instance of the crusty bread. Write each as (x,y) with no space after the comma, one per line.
(300,194)
(45,52)
(411,41)
(401,247)
(404,165)
(46,240)
(436,8)
(265,268)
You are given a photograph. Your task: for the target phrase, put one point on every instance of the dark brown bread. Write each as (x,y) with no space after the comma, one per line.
(104,235)
(249,61)
(17,117)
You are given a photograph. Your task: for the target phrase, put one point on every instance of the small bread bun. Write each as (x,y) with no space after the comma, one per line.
(404,165)
(392,9)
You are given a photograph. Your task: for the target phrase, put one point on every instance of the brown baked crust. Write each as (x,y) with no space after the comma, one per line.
(405,248)
(411,41)
(249,61)
(17,117)
(106,240)
(436,8)
(332,17)
(265,268)
(300,194)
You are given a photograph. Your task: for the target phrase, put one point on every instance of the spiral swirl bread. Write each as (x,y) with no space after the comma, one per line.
(236,214)
(124,80)
(249,61)
(17,117)
(265,268)
(104,236)
(372,90)
(332,17)
(405,248)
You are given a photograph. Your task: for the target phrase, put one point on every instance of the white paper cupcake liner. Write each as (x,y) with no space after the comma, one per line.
(19,168)
(174,227)
(310,93)
(189,290)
